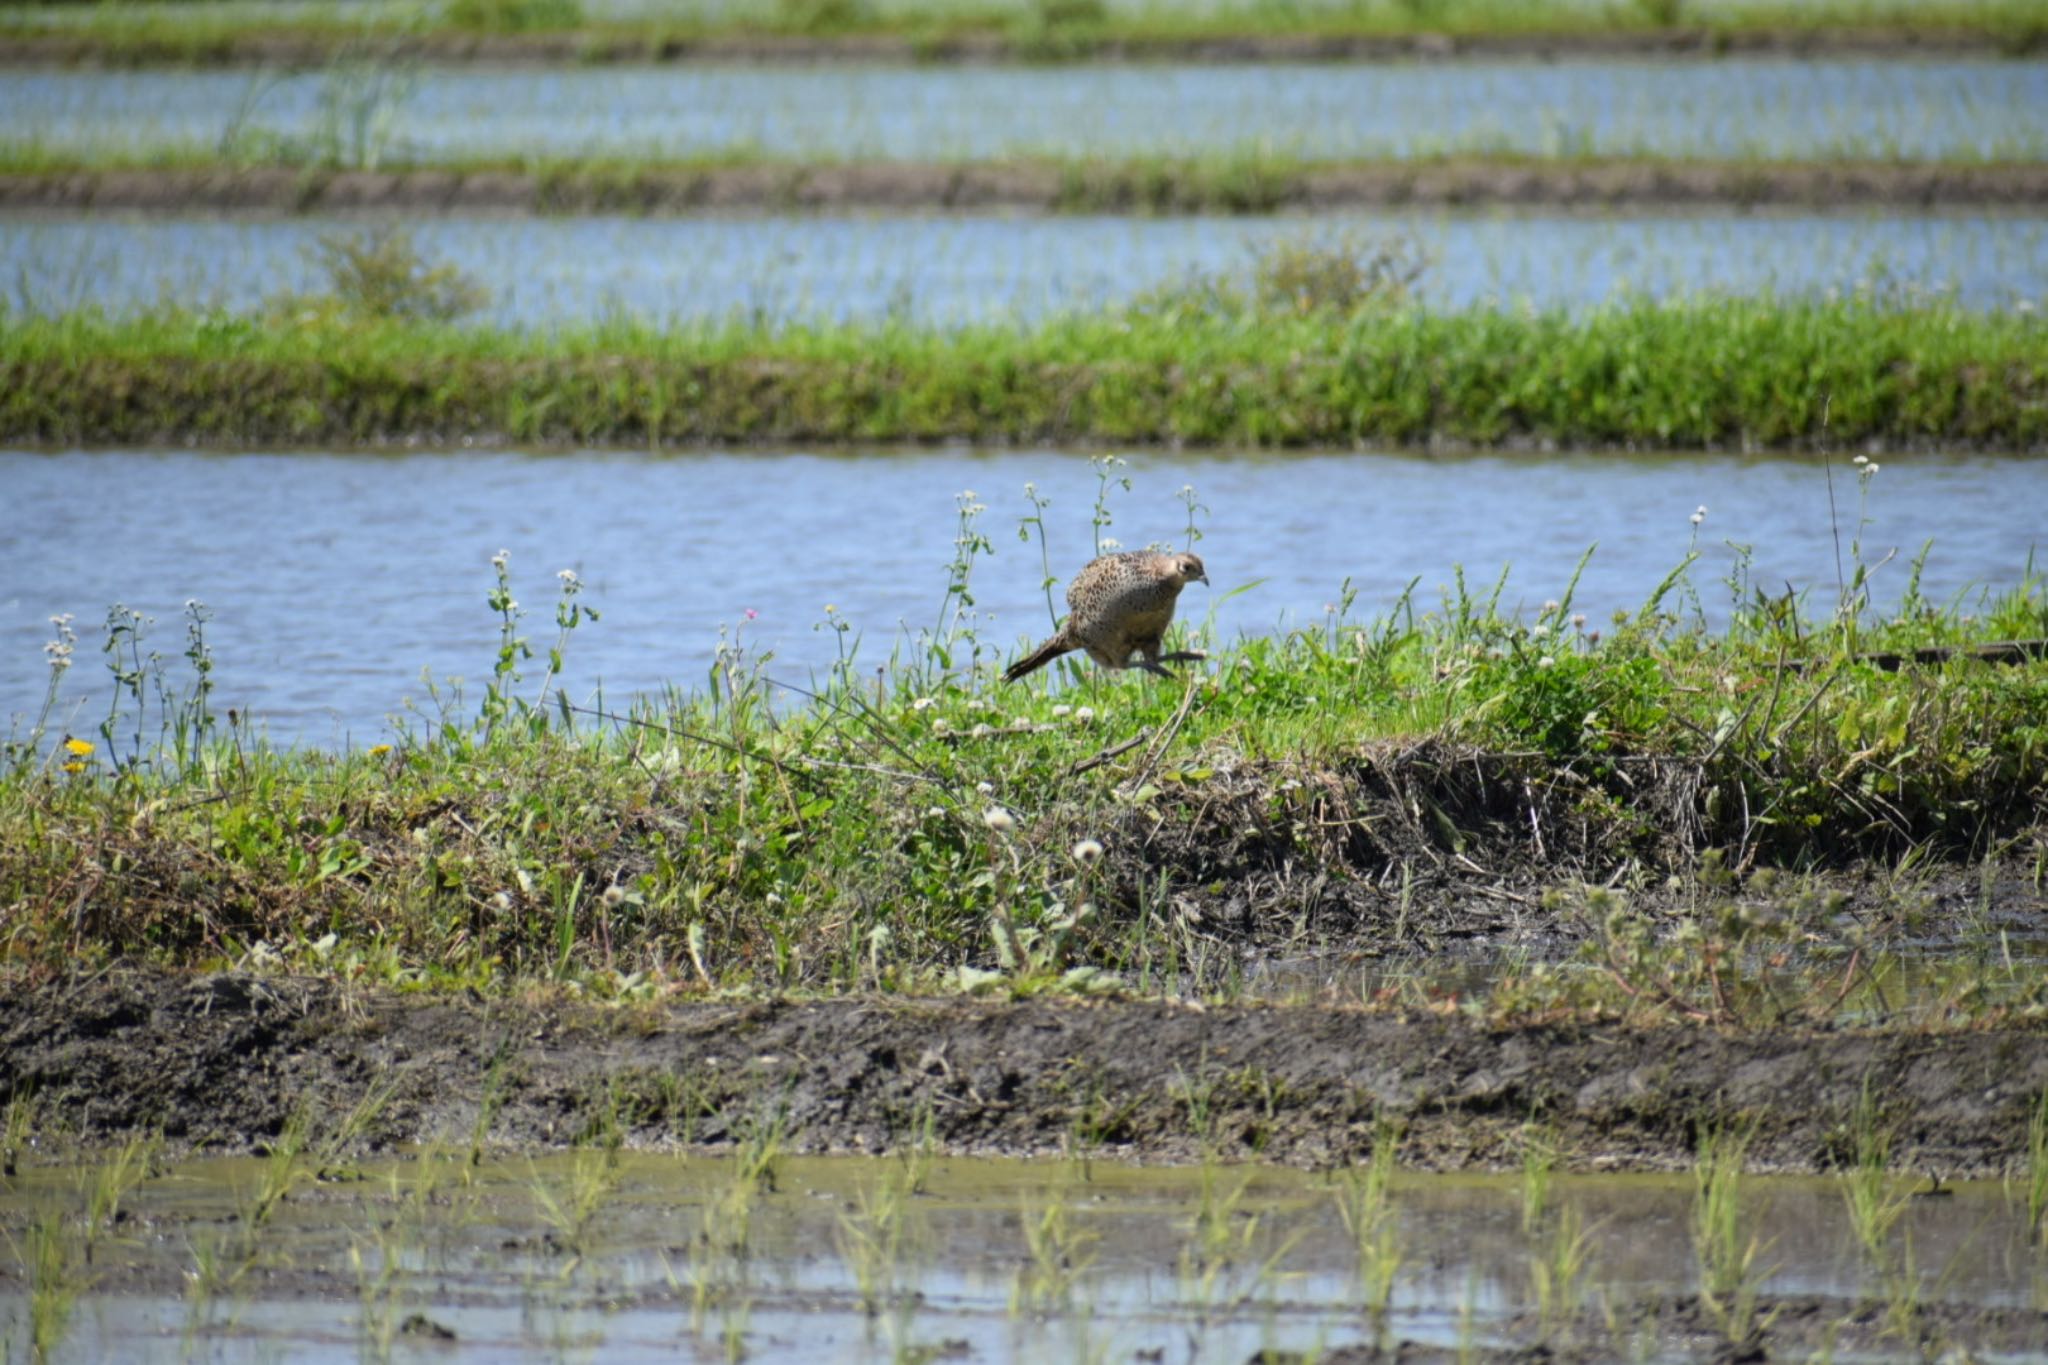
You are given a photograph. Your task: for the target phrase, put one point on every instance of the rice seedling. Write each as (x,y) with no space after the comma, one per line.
(1875,1200)
(2037,1172)
(1060,1253)
(1366,1209)
(1557,1271)
(1730,1271)
(1539,1161)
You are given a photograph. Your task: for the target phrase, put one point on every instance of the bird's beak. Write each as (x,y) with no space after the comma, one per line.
(1205,580)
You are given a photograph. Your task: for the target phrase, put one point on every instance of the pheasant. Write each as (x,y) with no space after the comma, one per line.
(1117,606)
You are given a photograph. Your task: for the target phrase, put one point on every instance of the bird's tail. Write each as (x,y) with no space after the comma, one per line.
(1036,659)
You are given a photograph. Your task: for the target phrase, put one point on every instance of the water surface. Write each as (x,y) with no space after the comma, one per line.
(1735,108)
(336,578)
(943,268)
(487,1255)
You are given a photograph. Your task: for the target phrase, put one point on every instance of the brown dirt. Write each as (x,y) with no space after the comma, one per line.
(284,48)
(1022,187)
(220,1061)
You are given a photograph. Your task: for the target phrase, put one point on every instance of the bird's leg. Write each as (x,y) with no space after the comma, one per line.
(1186,656)
(1148,659)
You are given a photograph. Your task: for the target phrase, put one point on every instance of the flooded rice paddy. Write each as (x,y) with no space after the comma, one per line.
(334,579)
(1728,109)
(611,1256)
(948,269)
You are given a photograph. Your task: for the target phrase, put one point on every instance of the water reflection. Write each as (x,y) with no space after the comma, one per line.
(336,578)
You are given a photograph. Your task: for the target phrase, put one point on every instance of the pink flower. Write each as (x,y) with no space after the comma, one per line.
(751,613)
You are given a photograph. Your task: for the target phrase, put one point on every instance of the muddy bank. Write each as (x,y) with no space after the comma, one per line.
(221,1061)
(651,44)
(1026,187)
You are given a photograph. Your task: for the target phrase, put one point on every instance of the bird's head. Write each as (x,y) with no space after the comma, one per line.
(1188,568)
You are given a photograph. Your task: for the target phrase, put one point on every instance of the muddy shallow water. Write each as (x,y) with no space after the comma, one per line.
(629,1257)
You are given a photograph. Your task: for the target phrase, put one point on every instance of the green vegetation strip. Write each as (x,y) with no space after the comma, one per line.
(179,180)
(1045,30)
(1187,368)
(1394,783)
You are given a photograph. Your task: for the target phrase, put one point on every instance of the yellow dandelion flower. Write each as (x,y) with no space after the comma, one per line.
(379,750)
(80,747)
(74,767)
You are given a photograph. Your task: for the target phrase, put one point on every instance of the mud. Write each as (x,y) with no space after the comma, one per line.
(1026,187)
(259,48)
(220,1062)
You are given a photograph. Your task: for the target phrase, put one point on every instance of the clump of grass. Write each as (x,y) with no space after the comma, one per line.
(380,274)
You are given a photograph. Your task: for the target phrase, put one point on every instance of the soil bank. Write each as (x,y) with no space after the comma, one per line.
(1027,187)
(283,46)
(221,1061)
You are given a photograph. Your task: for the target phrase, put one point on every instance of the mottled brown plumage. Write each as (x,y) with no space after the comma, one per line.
(1117,606)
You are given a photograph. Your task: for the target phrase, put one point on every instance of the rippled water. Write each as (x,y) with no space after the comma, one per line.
(949,269)
(335,579)
(1729,108)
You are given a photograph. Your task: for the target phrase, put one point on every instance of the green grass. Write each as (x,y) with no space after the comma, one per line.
(935,830)
(1044,30)
(1199,367)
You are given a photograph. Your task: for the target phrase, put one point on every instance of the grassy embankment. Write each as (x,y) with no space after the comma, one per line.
(1197,367)
(1045,30)
(1379,784)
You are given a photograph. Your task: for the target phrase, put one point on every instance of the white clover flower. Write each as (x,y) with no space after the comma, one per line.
(1546,662)
(1540,631)
(940,727)
(985,788)
(1084,714)
(1549,605)
(1871,468)
(1062,711)
(998,819)
(1861,459)
(570,578)
(935,813)
(1110,543)
(921,704)
(1087,852)
(501,559)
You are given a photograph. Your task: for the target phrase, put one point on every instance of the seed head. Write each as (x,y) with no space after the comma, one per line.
(999,820)
(1087,853)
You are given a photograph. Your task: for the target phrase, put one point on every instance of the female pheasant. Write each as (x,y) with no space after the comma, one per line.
(1117,606)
